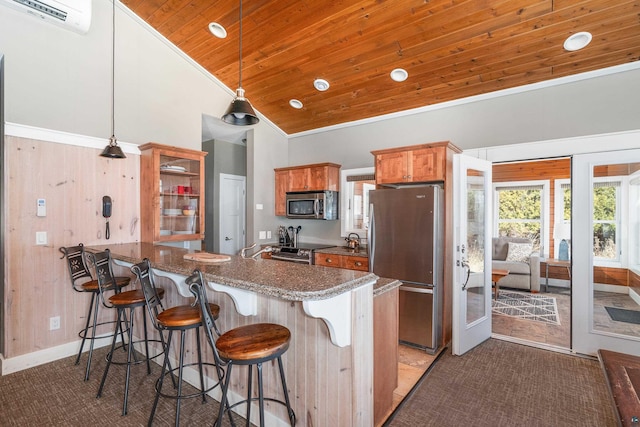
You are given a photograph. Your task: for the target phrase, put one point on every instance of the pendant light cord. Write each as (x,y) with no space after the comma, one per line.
(113,74)
(240,50)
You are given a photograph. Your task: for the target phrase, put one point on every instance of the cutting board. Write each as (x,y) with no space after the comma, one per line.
(206,257)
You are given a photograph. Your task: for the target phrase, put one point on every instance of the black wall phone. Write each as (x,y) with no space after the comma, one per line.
(106,212)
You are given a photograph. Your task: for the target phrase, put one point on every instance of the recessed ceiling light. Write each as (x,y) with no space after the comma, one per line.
(577,41)
(217,30)
(295,104)
(399,75)
(321,84)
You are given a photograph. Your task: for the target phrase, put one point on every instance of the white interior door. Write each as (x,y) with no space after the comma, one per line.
(232,213)
(472,260)
(605,235)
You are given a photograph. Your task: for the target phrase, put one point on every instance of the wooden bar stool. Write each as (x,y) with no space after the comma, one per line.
(250,345)
(174,319)
(83,281)
(121,301)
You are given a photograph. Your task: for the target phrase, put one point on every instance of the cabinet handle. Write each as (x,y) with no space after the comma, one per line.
(329,260)
(408,176)
(358,264)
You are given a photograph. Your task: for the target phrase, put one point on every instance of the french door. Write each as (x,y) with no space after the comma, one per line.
(605,238)
(472,260)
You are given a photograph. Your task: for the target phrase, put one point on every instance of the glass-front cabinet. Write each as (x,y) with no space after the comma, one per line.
(171,193)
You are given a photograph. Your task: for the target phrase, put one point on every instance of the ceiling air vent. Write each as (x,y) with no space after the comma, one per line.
(74,15)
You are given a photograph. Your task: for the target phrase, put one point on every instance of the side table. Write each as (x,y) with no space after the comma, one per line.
(555,263)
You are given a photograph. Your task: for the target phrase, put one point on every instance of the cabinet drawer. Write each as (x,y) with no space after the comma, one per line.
(356,263)
(329,260)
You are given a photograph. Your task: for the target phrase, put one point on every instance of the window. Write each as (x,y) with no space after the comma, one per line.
(606,220)
(522,211)
(355,185)
(634,217)
(562,213)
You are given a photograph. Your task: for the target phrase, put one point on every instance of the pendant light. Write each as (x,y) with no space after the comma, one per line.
(240,112)
(113,150)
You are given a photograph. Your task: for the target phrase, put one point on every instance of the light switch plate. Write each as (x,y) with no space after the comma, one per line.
(41,209)
(41,237)
(262,235)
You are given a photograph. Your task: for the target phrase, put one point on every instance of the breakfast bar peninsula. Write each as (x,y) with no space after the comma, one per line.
(329,311)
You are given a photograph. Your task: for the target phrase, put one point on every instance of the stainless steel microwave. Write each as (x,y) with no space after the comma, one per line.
(313,205)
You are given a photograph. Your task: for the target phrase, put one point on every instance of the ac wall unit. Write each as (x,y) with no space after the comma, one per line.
(73,15)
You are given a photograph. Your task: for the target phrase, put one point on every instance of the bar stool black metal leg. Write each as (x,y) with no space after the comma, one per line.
(129,355)
(160,381)
(249,384)
(223,400)
(204,395)
(260,394)
(95,301)
(110,354)
(292,415)
(180,368)
(86,328)
(146,341)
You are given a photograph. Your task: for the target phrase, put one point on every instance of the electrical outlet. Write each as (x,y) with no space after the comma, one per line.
(54,323)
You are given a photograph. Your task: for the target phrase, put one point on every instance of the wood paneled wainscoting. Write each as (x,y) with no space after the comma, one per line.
(72,180)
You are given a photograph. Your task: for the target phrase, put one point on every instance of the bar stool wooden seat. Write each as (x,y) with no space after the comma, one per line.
(250,345)
(175,319)
(83,281)
(122,302)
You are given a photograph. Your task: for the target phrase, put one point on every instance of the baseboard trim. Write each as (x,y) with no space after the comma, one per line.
(40,357)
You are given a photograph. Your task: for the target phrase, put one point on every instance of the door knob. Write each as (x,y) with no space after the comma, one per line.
(228,238)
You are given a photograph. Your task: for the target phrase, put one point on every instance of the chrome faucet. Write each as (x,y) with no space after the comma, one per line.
(243,251)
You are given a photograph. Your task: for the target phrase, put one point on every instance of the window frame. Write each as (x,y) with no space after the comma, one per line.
(346,197)
(544,208)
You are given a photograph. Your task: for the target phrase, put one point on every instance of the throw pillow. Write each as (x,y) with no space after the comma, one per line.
(519,252)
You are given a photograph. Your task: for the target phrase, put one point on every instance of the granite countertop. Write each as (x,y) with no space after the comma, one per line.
(343,250)
(285,280)
(384,285)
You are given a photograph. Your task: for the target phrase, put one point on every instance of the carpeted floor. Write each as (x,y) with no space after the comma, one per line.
(505,384)
(496,384)
(56,395)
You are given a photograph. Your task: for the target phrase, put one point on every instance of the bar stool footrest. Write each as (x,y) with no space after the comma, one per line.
(123,346)
(186,396)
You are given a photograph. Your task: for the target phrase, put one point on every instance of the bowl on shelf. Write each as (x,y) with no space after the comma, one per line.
(165,232)
(188,212)
(172,212)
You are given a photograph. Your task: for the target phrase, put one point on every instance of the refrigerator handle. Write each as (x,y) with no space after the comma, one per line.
(371,238)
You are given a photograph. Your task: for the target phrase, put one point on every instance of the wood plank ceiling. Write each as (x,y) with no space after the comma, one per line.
(451,49)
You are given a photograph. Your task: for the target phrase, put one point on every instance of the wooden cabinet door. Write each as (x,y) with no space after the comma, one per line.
(317,178)
(282,186)
(299,179)
(426,164)
(391,168)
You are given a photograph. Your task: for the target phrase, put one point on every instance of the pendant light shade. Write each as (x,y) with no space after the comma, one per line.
(240,112)
(112,150)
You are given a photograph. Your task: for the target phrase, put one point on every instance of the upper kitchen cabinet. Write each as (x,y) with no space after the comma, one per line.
(171,193)
(413,164)
(315,177)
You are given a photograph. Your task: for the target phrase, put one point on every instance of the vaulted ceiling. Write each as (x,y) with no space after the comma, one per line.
(451,49)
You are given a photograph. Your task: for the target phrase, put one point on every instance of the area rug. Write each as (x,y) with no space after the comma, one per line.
(624,315)
(540,308)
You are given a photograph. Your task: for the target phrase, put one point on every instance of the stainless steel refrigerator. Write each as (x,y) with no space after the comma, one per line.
(405,243)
